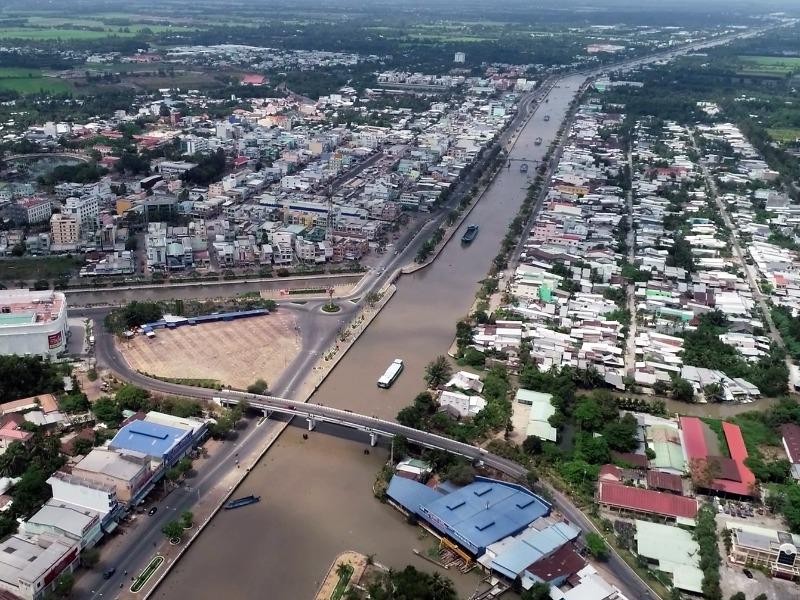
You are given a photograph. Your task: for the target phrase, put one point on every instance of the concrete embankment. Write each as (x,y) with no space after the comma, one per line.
(205,290)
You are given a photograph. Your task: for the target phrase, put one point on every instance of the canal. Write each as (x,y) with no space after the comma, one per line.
(316,494)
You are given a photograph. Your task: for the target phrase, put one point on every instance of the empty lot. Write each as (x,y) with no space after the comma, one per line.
(234,353)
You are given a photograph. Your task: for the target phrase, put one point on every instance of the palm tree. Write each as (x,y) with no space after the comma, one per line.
(437,372)
(342,570)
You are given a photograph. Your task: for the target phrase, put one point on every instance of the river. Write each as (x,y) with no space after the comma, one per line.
(316,494)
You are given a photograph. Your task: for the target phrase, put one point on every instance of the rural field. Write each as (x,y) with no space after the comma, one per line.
(27,81)
(771,65)
(784,134)
(234,353)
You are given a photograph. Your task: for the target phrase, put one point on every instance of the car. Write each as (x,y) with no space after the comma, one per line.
(152,511)
(290,407)
(748,573)
(109,573)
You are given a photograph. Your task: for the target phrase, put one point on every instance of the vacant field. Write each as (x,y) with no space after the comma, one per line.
(770,65)
(26,81)
(235,353)
(31,268)
(784,134)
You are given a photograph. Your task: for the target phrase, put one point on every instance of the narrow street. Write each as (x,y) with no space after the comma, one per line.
(759,297)
(630,343)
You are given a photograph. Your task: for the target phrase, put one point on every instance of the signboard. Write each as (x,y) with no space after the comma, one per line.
(54,340)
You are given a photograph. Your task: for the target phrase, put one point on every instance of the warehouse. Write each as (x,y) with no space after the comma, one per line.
(33,323)
(474,516)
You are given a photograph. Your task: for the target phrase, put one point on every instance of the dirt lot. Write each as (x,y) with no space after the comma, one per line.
(235,353)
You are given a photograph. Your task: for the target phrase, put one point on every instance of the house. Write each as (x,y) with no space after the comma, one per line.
(465,381)
(671,550)
(790,434)
(464,405)
(540,410)
(634,500)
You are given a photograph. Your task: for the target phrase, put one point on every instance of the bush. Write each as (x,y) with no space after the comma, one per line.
(259,386)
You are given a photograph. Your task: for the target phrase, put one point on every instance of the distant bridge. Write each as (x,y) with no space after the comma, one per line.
(79,155)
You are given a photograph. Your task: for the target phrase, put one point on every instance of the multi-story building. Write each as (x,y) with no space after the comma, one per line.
(64,229)
(86,210)
(174,169)
(127,473)
(776,551)
(33,323)
(31,564)
(30,210)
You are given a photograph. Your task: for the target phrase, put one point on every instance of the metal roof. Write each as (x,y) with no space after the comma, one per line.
(151,439)
(675,550)
(646,501)
(475,515)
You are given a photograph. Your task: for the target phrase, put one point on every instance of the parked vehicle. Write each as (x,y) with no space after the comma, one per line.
(109,573)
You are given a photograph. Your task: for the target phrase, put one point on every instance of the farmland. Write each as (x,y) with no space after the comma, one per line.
(770,65)
(27,81)
(784,134)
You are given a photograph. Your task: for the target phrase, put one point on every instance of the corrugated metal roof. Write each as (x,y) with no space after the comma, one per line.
(646,501)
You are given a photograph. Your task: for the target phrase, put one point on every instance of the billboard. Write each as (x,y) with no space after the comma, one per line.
(54,340)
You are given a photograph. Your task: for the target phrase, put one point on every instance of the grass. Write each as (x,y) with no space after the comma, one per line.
(341,585)
(756,433)
(45,267)
(43,34)
(782,61)
(26,81)
(141,580)
(781,134)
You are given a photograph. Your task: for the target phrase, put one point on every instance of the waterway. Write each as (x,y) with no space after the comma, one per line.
(316,494)
(31,168)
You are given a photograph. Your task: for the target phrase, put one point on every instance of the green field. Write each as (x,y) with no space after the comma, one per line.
(771,65)
(30,33)
(30,268)
(30,81)
(784,134)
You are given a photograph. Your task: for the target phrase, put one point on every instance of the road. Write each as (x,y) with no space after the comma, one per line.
(318,332)
(759,297)
(630,341)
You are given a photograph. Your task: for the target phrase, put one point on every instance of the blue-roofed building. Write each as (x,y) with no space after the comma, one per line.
(474,516)
(158,442)
(513,556)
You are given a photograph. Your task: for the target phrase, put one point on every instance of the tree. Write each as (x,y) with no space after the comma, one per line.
(107,411)
(82,446)
(461,473)
(90,557)
(539,591)
(738,596)
(682,390)
(132,398)
(259,386)
(187,519)
(172,530)
(532,445)
(342,570)
(437,372)
(64,585)
(596,545)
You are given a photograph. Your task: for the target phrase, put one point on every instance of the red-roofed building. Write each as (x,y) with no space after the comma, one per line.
(657,480)
(11,430)
(610,473)
(560,565)
(645,502)
(791,442)
(727,475)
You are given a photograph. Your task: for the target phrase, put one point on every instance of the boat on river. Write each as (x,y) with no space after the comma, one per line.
(470,234)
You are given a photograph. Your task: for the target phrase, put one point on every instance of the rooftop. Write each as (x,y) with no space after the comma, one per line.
(151,439)
(110,463)
(646,501)
(675,550)
(475,515)
(28,558)
(23,307)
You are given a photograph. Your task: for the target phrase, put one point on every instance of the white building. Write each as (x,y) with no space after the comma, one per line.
(459,57)
(84,493)
(464,405)
(30,564)
(86,210)
(33,323)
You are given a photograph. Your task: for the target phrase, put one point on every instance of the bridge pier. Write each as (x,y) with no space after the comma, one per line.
(267,413)
(312,423)
(373,439)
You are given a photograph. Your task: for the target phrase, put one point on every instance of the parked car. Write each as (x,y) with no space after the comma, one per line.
(109,573)
(748,573)
(152,511)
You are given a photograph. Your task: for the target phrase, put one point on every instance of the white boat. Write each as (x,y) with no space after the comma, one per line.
(392,373)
